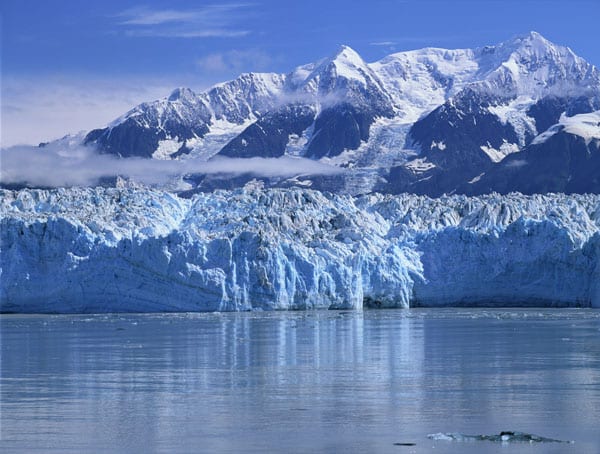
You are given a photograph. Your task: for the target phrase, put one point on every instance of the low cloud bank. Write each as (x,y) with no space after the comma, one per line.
(58,165)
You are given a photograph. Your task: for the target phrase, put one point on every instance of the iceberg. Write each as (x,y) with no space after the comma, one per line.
(507,436)
(143,250)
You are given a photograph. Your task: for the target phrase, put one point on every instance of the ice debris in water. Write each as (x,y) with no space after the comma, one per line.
(507,436)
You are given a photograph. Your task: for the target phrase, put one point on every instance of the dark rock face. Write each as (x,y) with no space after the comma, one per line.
(563,163)
(268,136)
(452,135)
(398,180)
(547,111)
(130,139)
(338,128)
(183,116)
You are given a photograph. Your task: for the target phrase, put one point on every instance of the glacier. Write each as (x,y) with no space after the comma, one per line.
(143,250)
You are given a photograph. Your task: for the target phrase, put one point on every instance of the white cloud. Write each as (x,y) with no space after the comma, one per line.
(60,164)
(144,16)
(208,21)
(383,43)
(235,61)
(179,33)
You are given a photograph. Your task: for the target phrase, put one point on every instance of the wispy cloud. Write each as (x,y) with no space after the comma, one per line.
(235,61)
(210,33)
(59,165)
(401,43)
(425,39)
(144,16)
(383,43)
(224,21)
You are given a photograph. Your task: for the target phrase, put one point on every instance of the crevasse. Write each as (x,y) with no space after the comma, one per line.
(141,250)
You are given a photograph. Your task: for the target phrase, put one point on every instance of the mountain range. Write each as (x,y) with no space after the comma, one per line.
(523,115)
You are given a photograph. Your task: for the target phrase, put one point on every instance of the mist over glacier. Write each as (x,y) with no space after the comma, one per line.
(142,250)
(62,164)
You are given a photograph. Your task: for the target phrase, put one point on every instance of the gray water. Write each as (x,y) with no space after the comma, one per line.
(300,382)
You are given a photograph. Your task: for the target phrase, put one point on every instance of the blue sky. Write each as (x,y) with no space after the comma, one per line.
(70,65)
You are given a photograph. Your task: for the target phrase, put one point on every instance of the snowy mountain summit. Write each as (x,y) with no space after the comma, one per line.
(428,121)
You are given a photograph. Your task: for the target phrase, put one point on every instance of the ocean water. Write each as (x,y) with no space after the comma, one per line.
(300,382)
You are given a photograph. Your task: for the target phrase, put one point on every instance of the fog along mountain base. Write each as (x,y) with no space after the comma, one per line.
(429,121)
(108,249)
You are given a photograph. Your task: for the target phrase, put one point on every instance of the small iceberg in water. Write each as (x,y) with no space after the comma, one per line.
(503,437)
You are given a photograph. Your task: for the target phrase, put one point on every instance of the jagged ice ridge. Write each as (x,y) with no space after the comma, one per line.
(142,250)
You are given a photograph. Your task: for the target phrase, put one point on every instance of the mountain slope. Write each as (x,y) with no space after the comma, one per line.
(565,158)
(345,97)
(180,122)
(426,121)
(525,85)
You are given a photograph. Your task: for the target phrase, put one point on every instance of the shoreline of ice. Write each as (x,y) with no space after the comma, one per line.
(141,250)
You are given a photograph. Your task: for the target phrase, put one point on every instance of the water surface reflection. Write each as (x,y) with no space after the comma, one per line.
(298,382)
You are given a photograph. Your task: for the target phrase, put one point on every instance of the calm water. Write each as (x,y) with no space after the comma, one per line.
(300,382)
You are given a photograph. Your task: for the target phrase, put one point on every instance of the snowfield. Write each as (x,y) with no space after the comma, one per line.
(141,250)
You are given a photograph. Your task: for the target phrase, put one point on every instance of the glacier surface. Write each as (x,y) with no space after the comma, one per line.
(143,250)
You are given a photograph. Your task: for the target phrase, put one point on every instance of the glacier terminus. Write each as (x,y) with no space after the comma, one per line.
(144,250)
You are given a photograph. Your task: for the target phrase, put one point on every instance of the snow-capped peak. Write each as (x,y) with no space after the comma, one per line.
(534,40)
(182,94)
(530,65)
(523,46)
(349,63)
(420,80)
(342,77)
(346,63)
(533,49)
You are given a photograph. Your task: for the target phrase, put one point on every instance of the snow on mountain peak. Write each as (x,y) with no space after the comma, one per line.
(345,63)
(530,65)
(533,50)
(533,39)
(182,94)
(346,56)
(417,81)
(420,80)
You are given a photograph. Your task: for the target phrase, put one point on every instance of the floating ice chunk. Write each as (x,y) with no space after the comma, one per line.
(502,437)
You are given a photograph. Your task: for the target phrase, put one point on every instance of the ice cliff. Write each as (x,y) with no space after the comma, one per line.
(102,250)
